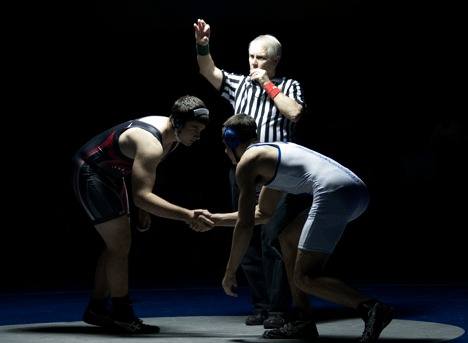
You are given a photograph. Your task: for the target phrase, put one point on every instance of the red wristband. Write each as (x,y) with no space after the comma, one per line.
(271,89)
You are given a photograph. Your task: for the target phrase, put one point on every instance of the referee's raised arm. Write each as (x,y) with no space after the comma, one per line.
(205,63)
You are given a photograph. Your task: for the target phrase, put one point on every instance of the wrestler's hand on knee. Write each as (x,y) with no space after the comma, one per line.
(229,283)
(144,220)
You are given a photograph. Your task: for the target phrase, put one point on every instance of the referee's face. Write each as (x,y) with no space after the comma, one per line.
(259,59)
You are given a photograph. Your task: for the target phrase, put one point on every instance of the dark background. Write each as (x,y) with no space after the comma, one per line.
(381,86)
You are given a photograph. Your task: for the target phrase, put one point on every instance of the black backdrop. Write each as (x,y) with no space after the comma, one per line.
(381,100)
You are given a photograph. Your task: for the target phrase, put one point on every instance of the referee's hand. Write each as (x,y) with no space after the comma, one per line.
(202,32)
(259,75)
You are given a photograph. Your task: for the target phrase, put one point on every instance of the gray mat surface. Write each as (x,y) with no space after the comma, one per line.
(222,329)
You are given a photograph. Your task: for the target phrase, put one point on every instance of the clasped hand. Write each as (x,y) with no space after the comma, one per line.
(201,220)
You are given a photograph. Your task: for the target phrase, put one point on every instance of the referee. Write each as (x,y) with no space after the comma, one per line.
(276,104)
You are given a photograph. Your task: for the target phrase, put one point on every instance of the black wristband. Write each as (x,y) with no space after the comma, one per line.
(203,50)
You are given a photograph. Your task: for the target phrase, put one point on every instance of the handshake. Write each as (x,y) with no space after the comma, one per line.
(199,220)
(203,220)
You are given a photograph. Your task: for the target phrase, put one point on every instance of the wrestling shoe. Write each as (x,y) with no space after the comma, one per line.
(306,330)
(275,320)
(135,326)
(378,317)
(257,318)
(93,317)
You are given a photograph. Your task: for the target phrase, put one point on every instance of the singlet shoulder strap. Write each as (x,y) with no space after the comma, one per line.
(153,130)
(277,162)
(147,127)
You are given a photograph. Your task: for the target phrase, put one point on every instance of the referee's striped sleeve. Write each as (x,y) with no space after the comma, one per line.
(293,89)
(230,85)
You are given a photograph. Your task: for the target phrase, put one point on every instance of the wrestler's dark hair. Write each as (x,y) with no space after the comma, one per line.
(188,108)
(243,126)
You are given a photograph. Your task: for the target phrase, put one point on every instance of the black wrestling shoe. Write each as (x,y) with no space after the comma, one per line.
(306,330)
(257,318)
(275,320)
(378,317)
(93,317)
(135,326)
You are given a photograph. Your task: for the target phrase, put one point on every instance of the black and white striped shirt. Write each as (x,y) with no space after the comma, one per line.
(248,97)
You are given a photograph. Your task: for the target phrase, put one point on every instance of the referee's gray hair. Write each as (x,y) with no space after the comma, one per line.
(272,44)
